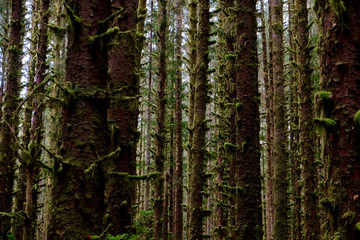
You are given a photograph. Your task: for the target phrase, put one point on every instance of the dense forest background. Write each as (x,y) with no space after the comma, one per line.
(180,119)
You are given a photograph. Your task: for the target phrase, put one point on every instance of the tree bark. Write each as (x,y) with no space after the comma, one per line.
(248,189)
(279,155)
(9,123)
(310,202)
(122,116)
(161,100)
(178,179)
(340,74)
(197,163)
(77,195)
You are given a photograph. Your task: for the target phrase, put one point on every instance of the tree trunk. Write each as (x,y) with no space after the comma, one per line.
(122,116)
(279,156)
(248,189)
(9,123)
(159,142)
(310,202)
(148,137)
(197,163)
(32,167)
(178,179)
(340,74)
(77,195)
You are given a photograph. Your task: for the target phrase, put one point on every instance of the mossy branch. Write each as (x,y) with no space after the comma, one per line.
(95,164)
(327,122)
(35,89)
(136,177)
(71,13)
(110,31)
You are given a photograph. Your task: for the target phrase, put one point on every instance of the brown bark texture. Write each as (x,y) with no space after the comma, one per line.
(178,178)
(197,163)
(9,123)
(160,131)
(340,76)
(279,154)
(248,183)
(77,195)
(122,116)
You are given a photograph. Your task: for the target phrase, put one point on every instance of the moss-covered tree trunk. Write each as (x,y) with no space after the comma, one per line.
(159,140)
(178,178)
(9,123)
(32,167)
(122,115)
(270,208)
(193,5)
(148,137)
(311,223)
(268,180)
(340,78)
(248,183)
(279,155)
(197,163)
(77,206)
(295,169)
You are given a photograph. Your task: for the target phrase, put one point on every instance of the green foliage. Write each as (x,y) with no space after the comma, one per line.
(10,236)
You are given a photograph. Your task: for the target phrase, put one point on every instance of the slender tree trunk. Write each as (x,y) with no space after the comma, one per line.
(160,121)
(268,181)
(32,168)
(270,135)
(340,74)
(193,20)
(294,128)
(178,179)
(148,137)
(197,164)
(122,116)
(280,156)
(248,199)
(311,223)
(9,123)
(77,195)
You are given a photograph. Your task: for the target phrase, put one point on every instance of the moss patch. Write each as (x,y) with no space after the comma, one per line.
(357,118)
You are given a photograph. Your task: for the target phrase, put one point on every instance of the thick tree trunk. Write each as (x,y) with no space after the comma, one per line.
(9,123)
(248,183)
(178,179)
(340,74)
(122,116)
(279,155)
(310,202)
(77,207)
(197,163)
(159,142)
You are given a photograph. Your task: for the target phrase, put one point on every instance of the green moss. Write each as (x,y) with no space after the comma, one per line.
(324,95)
(339,8)
(110,31)
(73,17)
(327,122)
(357,118)
(230,56)
(357,226)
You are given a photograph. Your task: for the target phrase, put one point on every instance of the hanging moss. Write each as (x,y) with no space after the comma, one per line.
(339,8)
(357,118)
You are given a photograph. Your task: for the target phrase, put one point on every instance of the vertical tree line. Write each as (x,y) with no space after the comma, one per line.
(197,119)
